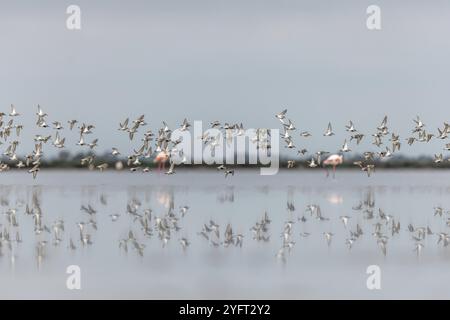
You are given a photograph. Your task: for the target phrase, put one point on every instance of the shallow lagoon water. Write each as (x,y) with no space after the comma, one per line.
(312,269)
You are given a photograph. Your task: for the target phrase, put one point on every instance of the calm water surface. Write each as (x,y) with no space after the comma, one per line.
(312,269)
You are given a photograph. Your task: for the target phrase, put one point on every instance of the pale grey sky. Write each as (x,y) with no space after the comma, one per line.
(228,60)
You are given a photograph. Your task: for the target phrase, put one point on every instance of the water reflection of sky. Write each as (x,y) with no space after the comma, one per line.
(312,269)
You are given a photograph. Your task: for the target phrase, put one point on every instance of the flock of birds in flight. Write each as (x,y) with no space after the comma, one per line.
(366,164)
(367,220)
(166,149)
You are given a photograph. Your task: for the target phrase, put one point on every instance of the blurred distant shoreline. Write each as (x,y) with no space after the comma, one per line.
(66,160)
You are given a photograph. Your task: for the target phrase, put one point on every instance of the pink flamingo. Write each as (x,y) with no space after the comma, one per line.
(333,160)
(161,159)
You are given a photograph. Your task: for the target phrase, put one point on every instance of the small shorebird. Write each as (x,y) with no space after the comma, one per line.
(329,132)
(350,127)
(345,147)
(280,116)
(115,152)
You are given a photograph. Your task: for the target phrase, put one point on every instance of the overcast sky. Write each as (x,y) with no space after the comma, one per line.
(235,61)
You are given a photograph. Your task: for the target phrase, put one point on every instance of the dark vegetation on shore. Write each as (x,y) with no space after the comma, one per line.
(66,160)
